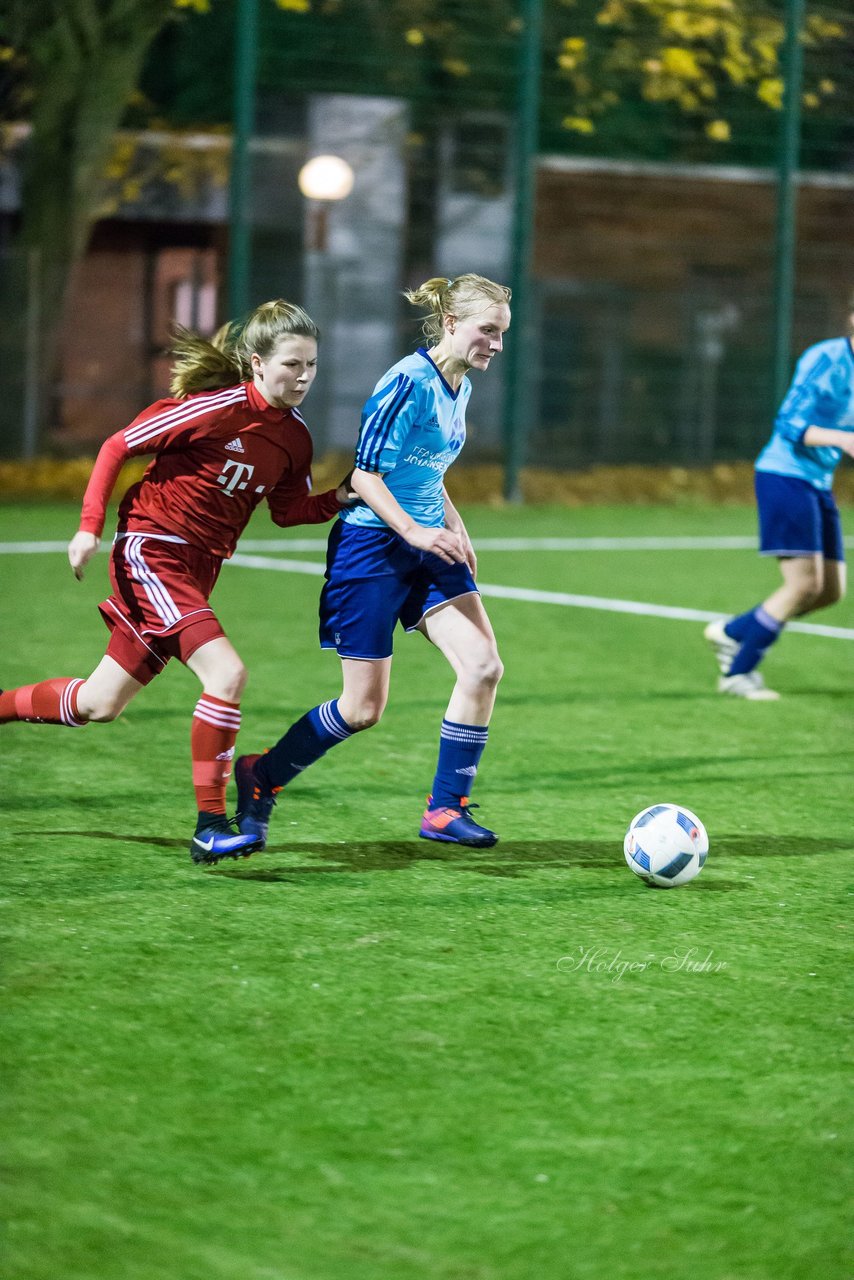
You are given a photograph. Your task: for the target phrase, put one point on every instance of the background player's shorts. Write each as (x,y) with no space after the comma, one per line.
(796,519)
(373,580)
(159,607)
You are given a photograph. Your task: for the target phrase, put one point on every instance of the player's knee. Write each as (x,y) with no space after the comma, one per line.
(229,681)
(362,712)
(808,590)
(102,710)
(365,716)
(809,595)
(486,670)
(238,679)
(834,592)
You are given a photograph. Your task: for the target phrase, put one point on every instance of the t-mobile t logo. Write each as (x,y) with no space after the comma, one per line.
(241,473)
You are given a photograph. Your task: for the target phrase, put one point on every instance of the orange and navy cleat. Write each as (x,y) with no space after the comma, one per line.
(254,801)
(455,826)
(215,838)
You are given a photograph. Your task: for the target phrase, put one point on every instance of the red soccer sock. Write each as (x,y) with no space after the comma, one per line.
(212,739)
(49,702)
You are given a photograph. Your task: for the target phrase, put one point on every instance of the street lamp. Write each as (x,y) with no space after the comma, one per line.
(323,180)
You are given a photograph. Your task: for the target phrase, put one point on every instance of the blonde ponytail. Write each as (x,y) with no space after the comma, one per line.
(462,297)
(202,364)
(209,364)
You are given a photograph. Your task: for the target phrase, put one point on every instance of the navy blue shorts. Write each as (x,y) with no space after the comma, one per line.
(796,519)
(373,581)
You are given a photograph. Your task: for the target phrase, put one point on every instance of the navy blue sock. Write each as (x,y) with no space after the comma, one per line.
(460,749)
(756,631)
(737,627)
(306,741)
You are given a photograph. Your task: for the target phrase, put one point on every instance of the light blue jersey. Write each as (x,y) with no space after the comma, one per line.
(821,395)
(413,427)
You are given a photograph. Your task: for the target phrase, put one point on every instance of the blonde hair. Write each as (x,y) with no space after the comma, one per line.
(462,297)
(208,364)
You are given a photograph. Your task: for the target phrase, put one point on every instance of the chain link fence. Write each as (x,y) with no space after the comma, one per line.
(651,305)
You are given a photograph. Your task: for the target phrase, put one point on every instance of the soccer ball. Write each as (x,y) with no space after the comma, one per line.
(666,845)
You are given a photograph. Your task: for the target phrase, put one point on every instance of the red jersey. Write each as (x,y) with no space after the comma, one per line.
(218,453)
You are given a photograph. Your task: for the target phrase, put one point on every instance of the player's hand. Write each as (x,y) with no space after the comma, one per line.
(461,533)
(440,542)
(81,549)
(468,550)
(345,493)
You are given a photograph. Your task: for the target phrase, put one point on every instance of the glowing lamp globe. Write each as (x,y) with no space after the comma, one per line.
(325,178)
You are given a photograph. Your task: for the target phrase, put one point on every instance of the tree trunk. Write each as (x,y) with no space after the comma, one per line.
(85,58)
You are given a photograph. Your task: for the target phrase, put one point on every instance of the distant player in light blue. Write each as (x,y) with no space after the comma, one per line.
(798,517)
(403,555)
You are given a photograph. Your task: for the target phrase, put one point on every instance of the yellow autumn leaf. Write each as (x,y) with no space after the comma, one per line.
(737,69)
(824,30)
(690,26)
(611,13)
(681,63)
(770,91)
(578,124)
(766,51)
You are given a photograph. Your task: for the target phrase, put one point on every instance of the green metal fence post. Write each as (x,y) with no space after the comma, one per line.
(240,228)
(787,166)
(525,161)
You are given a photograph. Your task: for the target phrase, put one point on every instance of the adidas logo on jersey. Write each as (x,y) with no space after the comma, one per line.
(235,446)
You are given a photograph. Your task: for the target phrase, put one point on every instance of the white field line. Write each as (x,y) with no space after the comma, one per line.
(527,594)
(543,544)
(688,543)
(699,543)
(30,548)
(559,598)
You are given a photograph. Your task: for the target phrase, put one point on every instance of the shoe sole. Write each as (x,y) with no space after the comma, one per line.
(205,859)
(261,841)
(767,696)
(471,844)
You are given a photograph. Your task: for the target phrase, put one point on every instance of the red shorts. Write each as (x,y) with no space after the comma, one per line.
(159,607)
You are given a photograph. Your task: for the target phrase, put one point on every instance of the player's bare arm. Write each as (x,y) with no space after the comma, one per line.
(816,437)
(373,490)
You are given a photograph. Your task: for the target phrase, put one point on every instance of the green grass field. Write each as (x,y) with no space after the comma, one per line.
(358,1056)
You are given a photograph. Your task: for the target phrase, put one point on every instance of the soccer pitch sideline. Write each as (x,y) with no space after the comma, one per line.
(359,1056)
